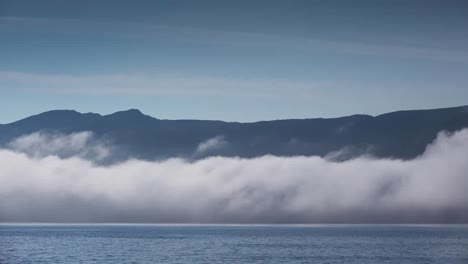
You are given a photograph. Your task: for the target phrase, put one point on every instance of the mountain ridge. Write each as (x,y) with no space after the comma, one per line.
(400,134)
(138,112)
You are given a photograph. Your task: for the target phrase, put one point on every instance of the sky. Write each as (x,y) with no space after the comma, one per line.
(232,60)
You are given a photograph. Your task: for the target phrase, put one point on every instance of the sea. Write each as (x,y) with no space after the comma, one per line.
(126,243)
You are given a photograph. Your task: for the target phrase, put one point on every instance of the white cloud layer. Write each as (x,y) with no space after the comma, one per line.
(80,144)
(428,189)
(211,144)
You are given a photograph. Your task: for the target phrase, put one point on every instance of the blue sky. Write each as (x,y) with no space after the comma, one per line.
(232,60)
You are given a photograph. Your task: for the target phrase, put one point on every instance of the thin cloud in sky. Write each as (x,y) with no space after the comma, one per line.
(159,32)
(141,84)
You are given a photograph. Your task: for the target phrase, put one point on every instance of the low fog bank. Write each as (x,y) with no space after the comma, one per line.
(80,144)
(36,186)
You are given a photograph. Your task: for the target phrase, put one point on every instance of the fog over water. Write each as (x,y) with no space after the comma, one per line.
(36,185)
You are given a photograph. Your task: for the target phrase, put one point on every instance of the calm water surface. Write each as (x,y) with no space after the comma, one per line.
(232,244)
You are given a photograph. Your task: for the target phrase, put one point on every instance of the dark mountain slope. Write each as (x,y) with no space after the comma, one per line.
(403,134)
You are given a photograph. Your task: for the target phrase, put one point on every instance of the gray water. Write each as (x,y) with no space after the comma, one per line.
(233,244)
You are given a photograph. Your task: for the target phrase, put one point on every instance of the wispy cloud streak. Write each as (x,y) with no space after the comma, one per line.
(147,84)
(158,32)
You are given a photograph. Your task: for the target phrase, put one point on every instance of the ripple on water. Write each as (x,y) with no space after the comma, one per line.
(233,244)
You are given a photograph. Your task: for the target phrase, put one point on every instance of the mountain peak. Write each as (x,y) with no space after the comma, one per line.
(59,112)
(130,113)
(53,114)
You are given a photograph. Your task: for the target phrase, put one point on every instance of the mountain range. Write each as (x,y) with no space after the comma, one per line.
(132,134)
